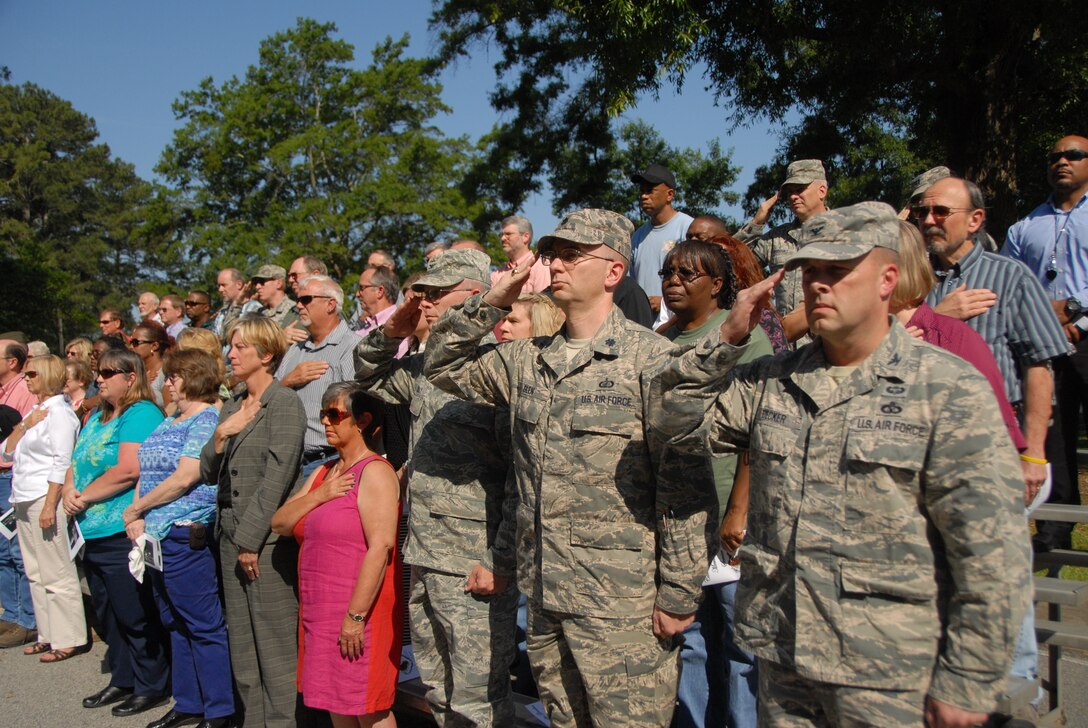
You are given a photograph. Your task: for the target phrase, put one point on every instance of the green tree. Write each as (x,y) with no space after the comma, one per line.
(72,238)
(307,154)
(882,91)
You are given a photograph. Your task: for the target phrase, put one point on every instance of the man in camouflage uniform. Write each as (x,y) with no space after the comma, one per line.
(805,190)
(269,282)
(885,571)
(611,542)
(463,603)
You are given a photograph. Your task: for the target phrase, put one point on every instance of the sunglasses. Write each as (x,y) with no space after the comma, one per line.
(30,374)
(436,294)
(570,256)
(308,299)
(103,323)
(196,303)
(686,275)
(939,212)
(1073,155)
(137,342)
(105,374)
(333,415)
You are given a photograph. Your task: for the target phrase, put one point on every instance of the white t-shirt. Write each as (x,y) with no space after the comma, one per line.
(650,245)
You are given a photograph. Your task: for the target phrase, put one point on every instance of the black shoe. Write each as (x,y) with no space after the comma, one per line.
(175,718)
(138,704)
(216,723)
(105,696)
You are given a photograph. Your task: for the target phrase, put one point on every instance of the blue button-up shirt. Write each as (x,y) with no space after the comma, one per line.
(1052,239)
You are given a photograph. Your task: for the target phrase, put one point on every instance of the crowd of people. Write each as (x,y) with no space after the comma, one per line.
(710,477)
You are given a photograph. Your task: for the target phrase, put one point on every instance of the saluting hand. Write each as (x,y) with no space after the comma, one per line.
(745,313)
(508,288)
(404,320)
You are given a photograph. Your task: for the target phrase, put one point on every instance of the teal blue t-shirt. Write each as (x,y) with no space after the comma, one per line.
(97,450)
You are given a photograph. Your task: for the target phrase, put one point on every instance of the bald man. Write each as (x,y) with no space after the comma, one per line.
(705,227)
(1053,242)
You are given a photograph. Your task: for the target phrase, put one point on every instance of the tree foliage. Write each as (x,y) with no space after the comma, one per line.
(306,154)
(72,238)
(882,91)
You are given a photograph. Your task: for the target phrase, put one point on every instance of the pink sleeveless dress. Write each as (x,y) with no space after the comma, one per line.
(333,546)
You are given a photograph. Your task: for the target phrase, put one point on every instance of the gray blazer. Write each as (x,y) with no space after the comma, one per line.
(260,465)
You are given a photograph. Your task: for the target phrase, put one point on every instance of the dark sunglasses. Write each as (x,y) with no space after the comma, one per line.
(107,373)
(436,294)
(31,374)
(686,275)
(196,303)
(107,321)
(137,342)
(1073,155)
(333,415)
(939,212)
(308,299)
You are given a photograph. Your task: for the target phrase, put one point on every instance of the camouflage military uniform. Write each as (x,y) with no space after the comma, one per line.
(606,530)
(773,249)
(459,515)
(887,546)
(283,313)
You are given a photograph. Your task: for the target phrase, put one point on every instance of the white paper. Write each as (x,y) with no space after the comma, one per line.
(75,538)
(721,571)
(1044,491)
(7,524)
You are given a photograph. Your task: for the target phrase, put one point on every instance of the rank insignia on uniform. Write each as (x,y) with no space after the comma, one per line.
(609,342)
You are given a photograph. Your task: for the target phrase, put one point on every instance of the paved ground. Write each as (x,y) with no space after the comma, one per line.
(49,695)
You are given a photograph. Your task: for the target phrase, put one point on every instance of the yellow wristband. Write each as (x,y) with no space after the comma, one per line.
(1029,459)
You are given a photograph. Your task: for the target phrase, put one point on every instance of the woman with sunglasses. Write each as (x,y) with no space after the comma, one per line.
(40,450)
(346,517)
(254,458)
(176,507)
(97,489)
(150,341)
(699,287)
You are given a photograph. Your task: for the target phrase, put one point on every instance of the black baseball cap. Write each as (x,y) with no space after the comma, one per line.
(655,174)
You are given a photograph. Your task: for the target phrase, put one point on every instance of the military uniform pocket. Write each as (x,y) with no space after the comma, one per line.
(608,558)
(883,485)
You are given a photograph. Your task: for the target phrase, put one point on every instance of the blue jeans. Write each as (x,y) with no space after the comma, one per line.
(14,588)
(1025,656)
(718,680)
(313,465)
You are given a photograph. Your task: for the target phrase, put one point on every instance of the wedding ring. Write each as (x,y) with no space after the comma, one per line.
(515,271)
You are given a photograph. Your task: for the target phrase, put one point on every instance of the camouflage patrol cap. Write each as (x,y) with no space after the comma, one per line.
(269,272)
(592,227)
(454,266)
(925,180)
(847,233)
(804,171)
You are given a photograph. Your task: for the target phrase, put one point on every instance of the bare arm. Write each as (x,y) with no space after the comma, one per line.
(305,500)
(120,477)
(734,524)
(795,324)
(378,513)
(184,477)
(1038,392)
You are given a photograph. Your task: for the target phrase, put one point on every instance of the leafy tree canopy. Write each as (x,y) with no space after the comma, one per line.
(72,239)
(882,91)
(306,154)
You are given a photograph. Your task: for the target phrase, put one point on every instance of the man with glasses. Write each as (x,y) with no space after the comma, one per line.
(231,285)
(17,625)
(324,357)
(463,601)
(1022,332)
(805,191)
(268,282)
(377,296)
(198,308)
(303,267)
(1053,242)
(109,322)
(172,313)
(516,236)
(612,541)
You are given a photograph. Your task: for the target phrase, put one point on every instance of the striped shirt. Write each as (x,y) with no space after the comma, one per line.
(1021,328)
(338,349)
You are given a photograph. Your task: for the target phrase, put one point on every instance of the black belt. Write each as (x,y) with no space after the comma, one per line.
(318,453)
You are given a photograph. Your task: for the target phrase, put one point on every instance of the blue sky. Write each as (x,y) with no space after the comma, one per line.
(124,62)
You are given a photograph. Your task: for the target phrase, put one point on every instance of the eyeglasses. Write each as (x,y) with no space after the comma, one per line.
(30,374)
(686,275)
(308,299)
(360,288)
(196,303)
(437,294)
(136,342)
(333,415)
(939,212)
(570,256)
(103,323)
(105,374)
(1073,155)
(173,377)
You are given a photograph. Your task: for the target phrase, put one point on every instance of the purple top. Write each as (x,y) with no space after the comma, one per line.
(963,341)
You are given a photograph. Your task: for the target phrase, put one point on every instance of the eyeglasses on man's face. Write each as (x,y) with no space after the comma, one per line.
(1073,155)
(308,299)
(435,295)
(569,256)
(939,212)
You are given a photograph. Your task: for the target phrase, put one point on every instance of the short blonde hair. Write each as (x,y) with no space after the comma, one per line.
(204,340)
(52,373)
(263,334)
(82,346)
(916,277)
(545,318)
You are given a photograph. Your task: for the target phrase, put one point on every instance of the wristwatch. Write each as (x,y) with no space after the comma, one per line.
(1073,309)
(356,617)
